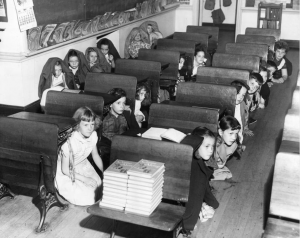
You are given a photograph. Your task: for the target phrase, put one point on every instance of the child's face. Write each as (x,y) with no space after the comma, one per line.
(142,94)
(271,69)
(280,53)
(73,62)
(253,85)
(264,75)
(93,57)
(200,57)
(240,96)
(181,63)
(86,128)
(137,37)
(207,148)
(149,29)
(104,49)
(118,106)
(57,70)
(229,136)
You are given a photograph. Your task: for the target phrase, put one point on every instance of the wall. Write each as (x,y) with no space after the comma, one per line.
(229,12)
(20,72)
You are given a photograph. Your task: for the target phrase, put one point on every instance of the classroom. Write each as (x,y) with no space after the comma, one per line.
(149,118)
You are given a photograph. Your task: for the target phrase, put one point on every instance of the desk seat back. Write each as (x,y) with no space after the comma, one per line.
(163,56)
(208,95)
(256,39)
(263,32)
(102,83)
(220,75)
(234,61)
(197,37)
(176,157)
(185,119)
(210,30)
(248,49)
(183,46)
(22,142)
(65,104)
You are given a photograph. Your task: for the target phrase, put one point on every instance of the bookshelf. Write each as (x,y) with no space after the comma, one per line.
(269,15)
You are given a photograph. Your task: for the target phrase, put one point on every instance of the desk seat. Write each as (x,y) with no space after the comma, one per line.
(285,198)
(281,228)
(296,99)
(165,217)
(291,127)
(289,146)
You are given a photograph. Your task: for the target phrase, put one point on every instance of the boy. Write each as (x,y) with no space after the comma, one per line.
(271,68)
(265,90)
(281,48)
(114,123)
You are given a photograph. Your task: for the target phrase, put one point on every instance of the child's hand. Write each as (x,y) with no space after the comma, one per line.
(248,132)
(111,58)
(127,108)
(261,105)
(139,118)
(270,84)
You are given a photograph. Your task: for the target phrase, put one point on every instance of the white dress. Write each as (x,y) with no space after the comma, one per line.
(77,192)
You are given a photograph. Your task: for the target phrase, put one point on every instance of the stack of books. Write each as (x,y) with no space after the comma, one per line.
(145,185)
(115,185)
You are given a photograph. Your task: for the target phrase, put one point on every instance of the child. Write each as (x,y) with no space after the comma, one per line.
(241,109)
(76,179)
(136,40)
(227,144)
(104,47)
(201,201)
(96,61)
(142,92)
(55,73)
(114,123)
(255,82)
(199,60)
(78,65)
(271,67)
(265,90)
(281,48)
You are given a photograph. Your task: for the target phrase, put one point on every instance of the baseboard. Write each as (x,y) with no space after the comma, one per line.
(292,43)
(6,110)
(222,27)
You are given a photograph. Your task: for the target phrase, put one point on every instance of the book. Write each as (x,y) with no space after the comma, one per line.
(114,178)
(111,194)
(113,190)
(146,180)
(118,202)
(146,168)
(142,205)
(108,185)
(154,133)
(143,196)
(146,203)
(138,188)
(173,135)
(121,184)
(135,189)
(119,168)
(148,185)
(141,212)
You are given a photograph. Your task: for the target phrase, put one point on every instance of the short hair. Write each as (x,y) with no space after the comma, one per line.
(87,114)
(117,92)
(139,87)
(271,63)
(258,78)
(281,45)
(105,42)
(239,84)
(229,122)
(72,53)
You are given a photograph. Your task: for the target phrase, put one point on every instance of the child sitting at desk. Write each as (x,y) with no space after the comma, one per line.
(114,123)
(201,202)
(271,69)
(78,65)
(76,179)
(265,90)
(109,51)
(142,93)
(55,73)
(96,61)
(200,60)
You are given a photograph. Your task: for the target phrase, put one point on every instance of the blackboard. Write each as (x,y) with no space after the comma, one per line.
(58,11)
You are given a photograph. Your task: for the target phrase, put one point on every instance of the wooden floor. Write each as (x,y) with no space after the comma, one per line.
(244,202)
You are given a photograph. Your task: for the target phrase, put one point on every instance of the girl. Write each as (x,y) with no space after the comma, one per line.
(199,60)
(201,201)
(142,93)
(106,46)
(78,65)
(96,61)
(55,73)
(227,144)
(76,179)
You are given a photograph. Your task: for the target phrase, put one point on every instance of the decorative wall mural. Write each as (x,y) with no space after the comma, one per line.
(143,37)
(51,34)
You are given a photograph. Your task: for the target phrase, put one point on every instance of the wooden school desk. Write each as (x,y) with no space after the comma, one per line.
(108,99)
